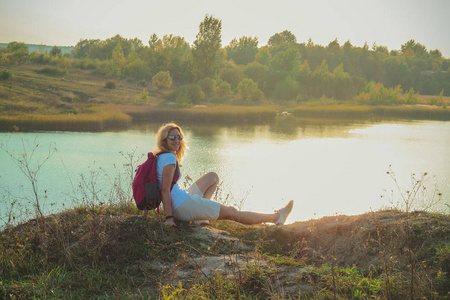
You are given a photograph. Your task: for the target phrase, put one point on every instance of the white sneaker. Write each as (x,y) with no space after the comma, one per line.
(284,213)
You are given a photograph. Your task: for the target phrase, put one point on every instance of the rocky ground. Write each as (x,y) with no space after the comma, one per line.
(126,254)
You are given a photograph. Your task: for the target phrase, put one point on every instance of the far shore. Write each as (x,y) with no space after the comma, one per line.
(102,117)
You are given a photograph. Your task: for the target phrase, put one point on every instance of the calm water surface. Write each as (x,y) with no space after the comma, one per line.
(325,168)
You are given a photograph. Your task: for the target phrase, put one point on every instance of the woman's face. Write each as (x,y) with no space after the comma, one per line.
(173,140)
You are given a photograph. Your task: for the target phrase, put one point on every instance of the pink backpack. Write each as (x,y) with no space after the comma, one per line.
(146,191)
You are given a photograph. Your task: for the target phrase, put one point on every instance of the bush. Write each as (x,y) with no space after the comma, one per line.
(143,97)
(41,59)
(111,84)
(52,71)
(142,83)
(5,75)
(162,80)
(287,89)
(192,91)
(183,100)
(377,94)
(136,70)
(411,97)
(208,85)
(224,90)
(55,51)
(102,68)
(248,90)
(232,74)
(85,64)
(439,101)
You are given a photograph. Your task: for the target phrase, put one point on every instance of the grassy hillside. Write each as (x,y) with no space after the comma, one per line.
(42,97)
(39,98)
(108,252)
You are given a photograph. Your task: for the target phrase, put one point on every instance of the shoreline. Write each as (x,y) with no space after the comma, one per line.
(106,117)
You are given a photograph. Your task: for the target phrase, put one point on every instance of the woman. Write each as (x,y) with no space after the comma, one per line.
(195,204)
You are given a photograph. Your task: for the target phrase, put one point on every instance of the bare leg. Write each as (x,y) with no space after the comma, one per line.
(145,214)
(246,217)
(208,184)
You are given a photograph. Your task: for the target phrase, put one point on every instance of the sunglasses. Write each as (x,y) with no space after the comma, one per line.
(173,137)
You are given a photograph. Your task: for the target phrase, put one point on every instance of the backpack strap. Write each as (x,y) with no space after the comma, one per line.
(177,173)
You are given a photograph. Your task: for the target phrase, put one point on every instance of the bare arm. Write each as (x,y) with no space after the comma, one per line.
(167,179)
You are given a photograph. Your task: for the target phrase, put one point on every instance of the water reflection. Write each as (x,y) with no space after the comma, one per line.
(290,128)
(327,167)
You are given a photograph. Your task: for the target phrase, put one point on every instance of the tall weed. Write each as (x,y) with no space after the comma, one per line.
(30,166)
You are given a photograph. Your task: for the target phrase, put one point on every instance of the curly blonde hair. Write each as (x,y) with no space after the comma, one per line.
(161,136)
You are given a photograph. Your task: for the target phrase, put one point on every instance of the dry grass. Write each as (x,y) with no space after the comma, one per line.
(365,111)
(76,88)
(216,114)
(104,252)
(425,99)
(94,118)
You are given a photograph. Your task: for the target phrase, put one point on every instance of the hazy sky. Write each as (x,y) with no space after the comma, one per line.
(388,23)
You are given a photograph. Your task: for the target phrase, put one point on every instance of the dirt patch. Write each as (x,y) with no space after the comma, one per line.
(267,260)
(365,240)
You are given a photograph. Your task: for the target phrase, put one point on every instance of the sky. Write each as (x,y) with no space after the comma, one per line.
(389,23)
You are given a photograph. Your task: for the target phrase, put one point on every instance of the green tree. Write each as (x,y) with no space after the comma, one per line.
(343,88)
(380,50)
(395,72)
(263,56)
(257,72)
(153,55)
(173,52)
(137,45)
(288,60)
(117,62)
(315,54)
(153,41)
(55,51)
(322,81)
(133,55)
(281,41)
(411,97)
(287,89)
(183,100)
(206,50)
(285,37)
(303,76)
(435,54)
(136,69)
(162,80)
(412,49)
(103,50)
(377,94)
(143,97)
(18,52)
(17,46)
(111,44)
(232,74)
(83,48)
(334,54)
(248,90)
(193,92)
(208,85)
(224,90)
(244,51)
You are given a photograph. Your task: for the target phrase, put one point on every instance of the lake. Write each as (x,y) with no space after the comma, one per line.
(327,167)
